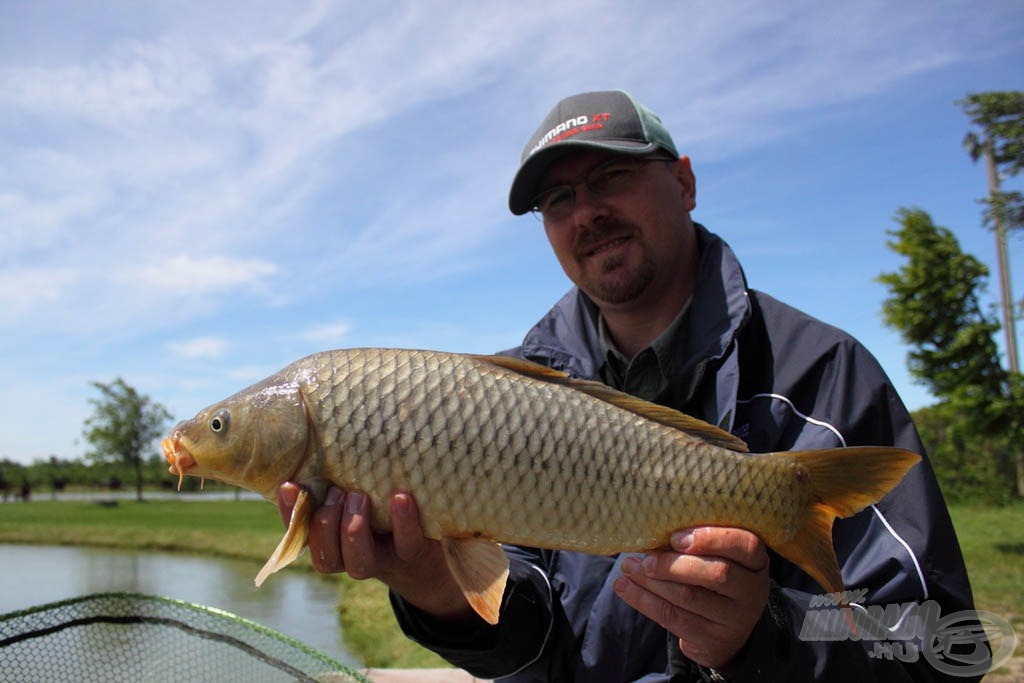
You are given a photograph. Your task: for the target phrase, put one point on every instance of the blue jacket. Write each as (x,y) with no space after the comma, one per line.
(780,380)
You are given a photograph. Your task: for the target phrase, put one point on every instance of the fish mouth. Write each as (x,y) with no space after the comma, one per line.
(178,456)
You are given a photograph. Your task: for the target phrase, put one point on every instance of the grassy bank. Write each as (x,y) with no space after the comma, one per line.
(992,541)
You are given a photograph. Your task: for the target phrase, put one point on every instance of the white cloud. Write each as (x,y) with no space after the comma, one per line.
(328,333)
(26,290)
(188,276)
(199,347)
(135,81)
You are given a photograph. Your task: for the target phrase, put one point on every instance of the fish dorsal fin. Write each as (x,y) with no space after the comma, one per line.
(480,567)
(294,539)
(651,411)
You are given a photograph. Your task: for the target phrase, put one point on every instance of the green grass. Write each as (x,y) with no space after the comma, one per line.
(992,540)
(236,529)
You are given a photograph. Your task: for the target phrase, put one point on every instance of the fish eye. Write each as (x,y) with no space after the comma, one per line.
(220,420)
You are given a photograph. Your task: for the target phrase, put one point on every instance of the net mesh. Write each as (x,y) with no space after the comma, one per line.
(132,637)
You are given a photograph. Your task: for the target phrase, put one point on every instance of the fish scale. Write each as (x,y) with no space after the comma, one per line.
(377,459)
(498,449)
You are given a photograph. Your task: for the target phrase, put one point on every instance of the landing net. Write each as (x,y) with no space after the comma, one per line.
(132,637)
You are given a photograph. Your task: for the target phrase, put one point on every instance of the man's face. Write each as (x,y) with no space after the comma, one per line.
(629,248)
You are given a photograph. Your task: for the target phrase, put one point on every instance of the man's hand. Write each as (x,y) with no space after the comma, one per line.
(340,540)
(709,590)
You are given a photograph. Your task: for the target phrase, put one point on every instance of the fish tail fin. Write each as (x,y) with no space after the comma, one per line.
(842,482)
(294,539)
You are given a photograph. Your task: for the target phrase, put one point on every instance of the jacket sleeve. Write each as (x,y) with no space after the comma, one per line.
(899,558)
(531,626)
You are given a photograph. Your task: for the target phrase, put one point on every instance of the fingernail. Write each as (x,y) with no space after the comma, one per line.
(630,566)
(681,540)
(353,503)
(333,497)
(402,505)
(649,563)
(288,494)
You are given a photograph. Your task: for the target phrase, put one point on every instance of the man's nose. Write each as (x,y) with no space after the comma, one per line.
(588,206)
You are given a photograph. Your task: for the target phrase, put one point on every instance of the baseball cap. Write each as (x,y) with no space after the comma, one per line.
(610,119)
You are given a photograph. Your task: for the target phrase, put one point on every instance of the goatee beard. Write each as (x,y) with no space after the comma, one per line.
(602,286)
(621,288)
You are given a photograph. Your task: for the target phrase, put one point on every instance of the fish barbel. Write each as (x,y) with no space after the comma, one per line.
(496,449)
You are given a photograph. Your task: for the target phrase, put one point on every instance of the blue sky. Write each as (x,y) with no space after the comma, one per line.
(193,195)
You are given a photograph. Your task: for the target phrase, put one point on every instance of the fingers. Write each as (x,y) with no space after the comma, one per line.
(727,562)
(407,534)
(339,531)
(340,537)
(709,590)
(359,547)
(287,494)
(737,545)
(679,608)
(324,538)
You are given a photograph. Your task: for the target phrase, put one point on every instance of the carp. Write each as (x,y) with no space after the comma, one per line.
(500,450)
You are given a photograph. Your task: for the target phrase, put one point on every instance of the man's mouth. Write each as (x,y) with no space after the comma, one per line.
(602,247)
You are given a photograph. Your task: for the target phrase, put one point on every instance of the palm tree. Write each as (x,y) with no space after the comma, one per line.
(1000,117)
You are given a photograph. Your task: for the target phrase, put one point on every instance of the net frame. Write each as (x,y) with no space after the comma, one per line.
(132,636)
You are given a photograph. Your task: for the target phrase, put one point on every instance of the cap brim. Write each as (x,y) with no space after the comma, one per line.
(527,180)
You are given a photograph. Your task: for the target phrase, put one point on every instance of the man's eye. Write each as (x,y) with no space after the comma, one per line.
(609,176)
(556,198)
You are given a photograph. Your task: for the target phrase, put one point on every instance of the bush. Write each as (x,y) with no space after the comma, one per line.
(971,467)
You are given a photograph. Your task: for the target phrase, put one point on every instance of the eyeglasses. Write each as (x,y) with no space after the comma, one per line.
(606,180)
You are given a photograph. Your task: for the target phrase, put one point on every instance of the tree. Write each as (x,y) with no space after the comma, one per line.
(935,305)
(123,426)
(1000,118)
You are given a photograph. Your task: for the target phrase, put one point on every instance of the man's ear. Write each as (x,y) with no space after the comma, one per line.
(687,181)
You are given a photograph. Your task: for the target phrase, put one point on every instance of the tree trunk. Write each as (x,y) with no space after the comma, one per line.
(1020,474)
(1003,260)
(138,479)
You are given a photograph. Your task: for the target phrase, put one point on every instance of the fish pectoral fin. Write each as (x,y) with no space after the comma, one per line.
(480,567)
(294,539)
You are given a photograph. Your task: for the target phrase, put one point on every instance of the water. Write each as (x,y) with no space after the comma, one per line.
(301,605)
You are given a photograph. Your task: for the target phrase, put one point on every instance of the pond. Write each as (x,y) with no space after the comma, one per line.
(301,605)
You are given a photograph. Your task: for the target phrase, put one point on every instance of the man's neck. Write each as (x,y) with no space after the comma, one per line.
(634,329)
(634,325)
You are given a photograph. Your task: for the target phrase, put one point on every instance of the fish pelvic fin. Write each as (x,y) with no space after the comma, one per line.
(842,481)
(480,567)
(294,539)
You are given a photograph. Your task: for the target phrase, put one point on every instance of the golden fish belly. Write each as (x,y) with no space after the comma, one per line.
(488,451)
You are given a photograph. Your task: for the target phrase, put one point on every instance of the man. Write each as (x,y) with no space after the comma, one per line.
(660,309)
